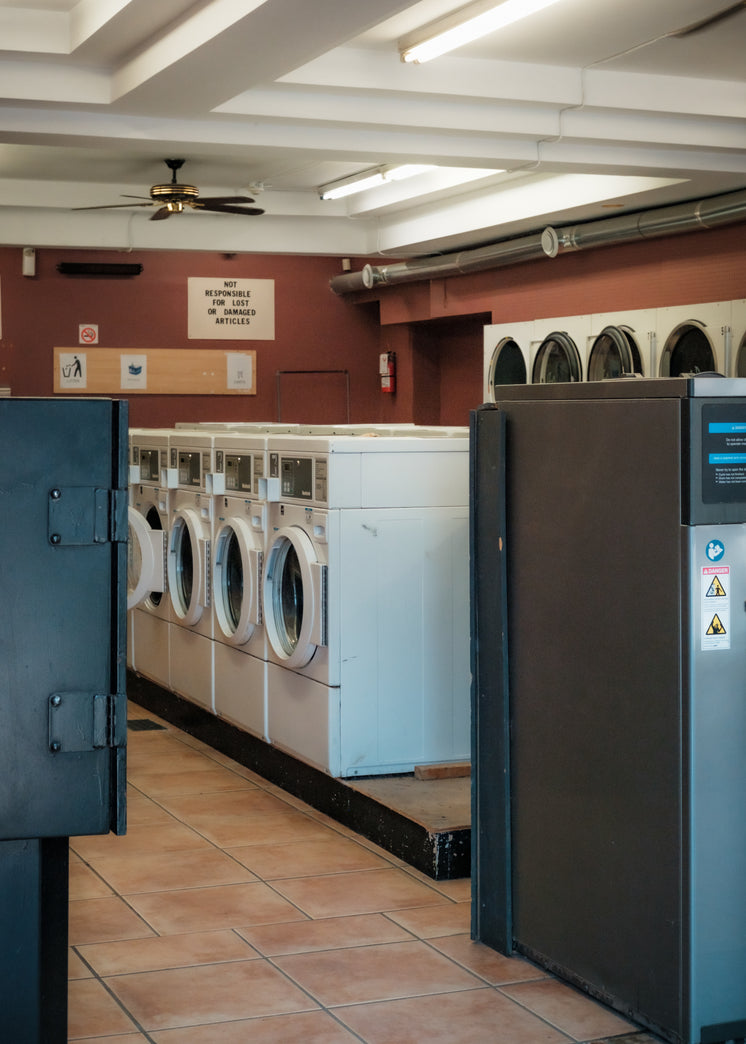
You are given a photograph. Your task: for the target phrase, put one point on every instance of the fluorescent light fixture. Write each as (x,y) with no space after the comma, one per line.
(465,25)
(368,179)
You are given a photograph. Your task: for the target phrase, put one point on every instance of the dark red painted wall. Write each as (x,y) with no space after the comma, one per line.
(314,328)
(435,328)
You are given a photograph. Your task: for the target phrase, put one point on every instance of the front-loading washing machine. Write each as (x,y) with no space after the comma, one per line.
(738,337)
(694,339)
(622,344)
(366,601)
(507,356)
(149,608)
(189,554)
(240,645)
(559,348)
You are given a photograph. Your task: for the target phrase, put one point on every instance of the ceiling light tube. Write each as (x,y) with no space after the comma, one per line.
(368,179)
(463,26)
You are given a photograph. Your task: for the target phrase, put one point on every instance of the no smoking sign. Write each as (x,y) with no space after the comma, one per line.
(88,333)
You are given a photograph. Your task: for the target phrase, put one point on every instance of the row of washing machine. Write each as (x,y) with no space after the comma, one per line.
(655,342)
(308,585)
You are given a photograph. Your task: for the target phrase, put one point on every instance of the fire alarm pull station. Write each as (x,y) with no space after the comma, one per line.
(387,371)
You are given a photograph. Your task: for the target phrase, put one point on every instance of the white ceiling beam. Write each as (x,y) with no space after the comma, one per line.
(232,45)
(34,32)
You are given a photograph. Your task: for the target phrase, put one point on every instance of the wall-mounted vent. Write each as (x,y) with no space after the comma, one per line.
(98,268)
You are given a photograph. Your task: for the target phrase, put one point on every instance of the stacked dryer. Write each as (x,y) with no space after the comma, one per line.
(694,339)
(622,344)
(150,615)
(366,601)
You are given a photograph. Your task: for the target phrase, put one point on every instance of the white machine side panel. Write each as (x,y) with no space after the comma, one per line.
(410,480)
(151,646)
(404,639)
(241,689)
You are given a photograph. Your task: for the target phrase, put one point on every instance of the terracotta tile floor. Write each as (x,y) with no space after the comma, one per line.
(232,912)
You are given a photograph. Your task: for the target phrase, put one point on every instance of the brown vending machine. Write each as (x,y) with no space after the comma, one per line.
(609,664)
(63,717)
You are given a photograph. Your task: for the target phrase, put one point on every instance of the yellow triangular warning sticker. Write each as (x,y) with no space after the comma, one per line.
(716,627)
(716,589)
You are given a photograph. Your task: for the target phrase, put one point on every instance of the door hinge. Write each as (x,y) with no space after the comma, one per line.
(84,721)
(83,515)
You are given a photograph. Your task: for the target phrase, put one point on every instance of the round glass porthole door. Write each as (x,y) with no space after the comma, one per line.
(185,567)
(144,558)
(238,560)
(557,360)
(741,358)
(289,599)
(507,365)
(615,353)
(688,349)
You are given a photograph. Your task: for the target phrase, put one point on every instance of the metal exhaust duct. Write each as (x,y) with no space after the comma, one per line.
(648,224)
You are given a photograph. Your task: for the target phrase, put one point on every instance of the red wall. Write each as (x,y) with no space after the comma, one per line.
(314,329)
(435,328)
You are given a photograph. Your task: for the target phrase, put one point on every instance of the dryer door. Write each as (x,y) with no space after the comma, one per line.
(688,349)
(557,360)
(615,353)
(146,558)
(294,597)
(237,575)
(507,365)
(188,567)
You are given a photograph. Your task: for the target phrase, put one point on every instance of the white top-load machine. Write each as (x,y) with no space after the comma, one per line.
(366,600)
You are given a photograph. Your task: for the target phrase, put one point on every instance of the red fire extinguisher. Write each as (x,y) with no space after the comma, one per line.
(387,371)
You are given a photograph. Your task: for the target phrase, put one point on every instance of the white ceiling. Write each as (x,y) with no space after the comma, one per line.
(591,108)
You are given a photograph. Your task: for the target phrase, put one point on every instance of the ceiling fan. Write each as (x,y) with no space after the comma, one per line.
(173,197)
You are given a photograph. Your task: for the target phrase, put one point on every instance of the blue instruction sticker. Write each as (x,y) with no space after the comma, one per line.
(715,550)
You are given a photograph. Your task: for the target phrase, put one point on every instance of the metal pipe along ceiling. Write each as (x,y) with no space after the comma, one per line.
(648,224)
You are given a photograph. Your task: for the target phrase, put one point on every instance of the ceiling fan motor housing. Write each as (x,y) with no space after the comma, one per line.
(174,193)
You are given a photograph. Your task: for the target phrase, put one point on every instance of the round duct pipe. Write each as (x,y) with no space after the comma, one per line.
(648,224)
(510,252)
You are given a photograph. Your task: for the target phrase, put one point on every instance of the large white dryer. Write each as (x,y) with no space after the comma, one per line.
(694,339)
(189,565)
(507,356)
(150,613)
(559,349)
(622,344)
(366,601)
(240,653)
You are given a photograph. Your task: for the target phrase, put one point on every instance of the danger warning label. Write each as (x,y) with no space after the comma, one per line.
(715,607)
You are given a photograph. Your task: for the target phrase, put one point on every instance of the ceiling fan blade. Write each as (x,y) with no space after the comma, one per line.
(126,195)
(161,214)
(225,208)
(705,23)
(225,199)
(113,206)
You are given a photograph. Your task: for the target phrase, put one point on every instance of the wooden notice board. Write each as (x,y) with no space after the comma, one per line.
(154,371)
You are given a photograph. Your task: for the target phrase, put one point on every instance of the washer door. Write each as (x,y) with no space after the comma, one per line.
(236,577)
(615,353)
(557,360)
(688,349)
(188,577)
(294,597)
(145,558)
(507,365)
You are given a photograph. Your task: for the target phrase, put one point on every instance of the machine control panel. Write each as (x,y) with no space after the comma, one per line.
(238,472)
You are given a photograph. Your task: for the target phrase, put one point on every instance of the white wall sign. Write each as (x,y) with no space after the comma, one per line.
(72,370)
(231,309)
(133,371)
(239,373)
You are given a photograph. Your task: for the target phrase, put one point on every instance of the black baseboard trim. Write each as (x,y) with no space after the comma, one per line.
(442,856)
